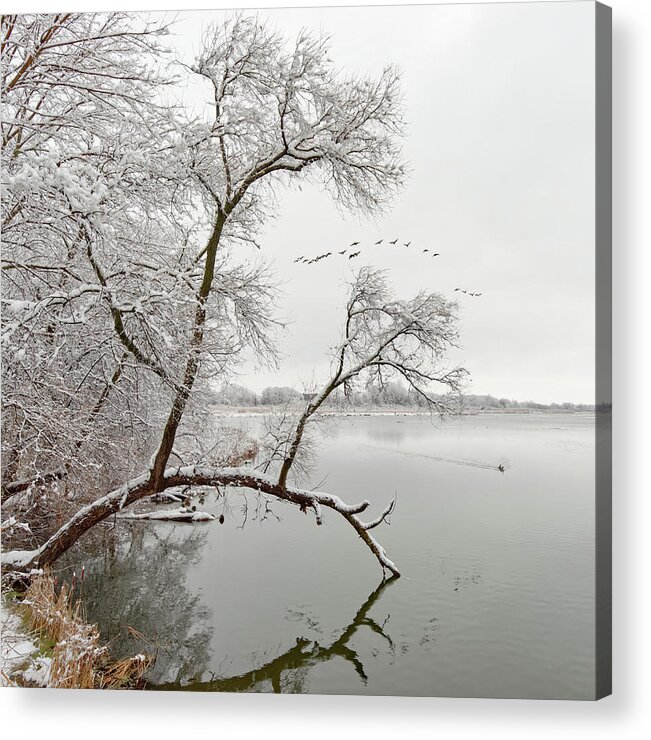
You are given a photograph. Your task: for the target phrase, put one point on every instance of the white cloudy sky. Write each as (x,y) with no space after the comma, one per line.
(499,100)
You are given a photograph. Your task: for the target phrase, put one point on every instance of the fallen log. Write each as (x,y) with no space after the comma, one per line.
(171,516)
(167,498)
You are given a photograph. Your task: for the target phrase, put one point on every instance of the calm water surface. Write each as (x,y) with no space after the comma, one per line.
(497,593)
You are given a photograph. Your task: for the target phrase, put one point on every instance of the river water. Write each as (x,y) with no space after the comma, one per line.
(496,597)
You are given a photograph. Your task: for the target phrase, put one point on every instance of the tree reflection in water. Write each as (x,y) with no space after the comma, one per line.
(139,587)
(288,672)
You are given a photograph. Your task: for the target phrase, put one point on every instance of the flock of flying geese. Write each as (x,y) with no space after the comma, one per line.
(348,252)
(352,254)
(467,292)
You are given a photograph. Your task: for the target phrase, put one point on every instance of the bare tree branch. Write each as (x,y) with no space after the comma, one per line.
(409,338)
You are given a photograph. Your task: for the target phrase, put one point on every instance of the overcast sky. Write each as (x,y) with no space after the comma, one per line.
(499,100)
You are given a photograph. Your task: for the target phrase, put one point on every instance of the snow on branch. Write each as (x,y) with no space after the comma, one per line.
(382,517)
(283,106)
(182,477)
(384,337)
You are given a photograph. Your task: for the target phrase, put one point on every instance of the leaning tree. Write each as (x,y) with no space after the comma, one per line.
(147,219)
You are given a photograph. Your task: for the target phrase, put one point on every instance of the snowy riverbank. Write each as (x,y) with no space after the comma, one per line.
(21,663)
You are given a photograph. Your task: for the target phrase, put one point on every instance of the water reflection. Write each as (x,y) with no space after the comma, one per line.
(497,597)
(138,596)
(289,672)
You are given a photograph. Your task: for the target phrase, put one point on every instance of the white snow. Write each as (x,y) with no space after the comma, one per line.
(18,558)
(38,671)
(13,523)
(182,515)
(19,653)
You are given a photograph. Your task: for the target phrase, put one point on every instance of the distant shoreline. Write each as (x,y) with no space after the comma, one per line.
(253,411)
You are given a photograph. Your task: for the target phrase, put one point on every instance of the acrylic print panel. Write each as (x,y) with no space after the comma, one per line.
(306,350)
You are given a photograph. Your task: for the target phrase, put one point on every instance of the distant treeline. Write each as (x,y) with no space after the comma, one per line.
(391,395)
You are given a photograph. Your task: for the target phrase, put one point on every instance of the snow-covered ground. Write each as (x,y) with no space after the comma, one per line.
(20,662)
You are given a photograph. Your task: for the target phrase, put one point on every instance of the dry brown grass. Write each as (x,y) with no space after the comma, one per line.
(57,618)
(125,673)
(79,660)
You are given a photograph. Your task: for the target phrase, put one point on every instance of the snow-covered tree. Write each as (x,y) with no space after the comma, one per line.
(102,225)
(123,293)
(84,200)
